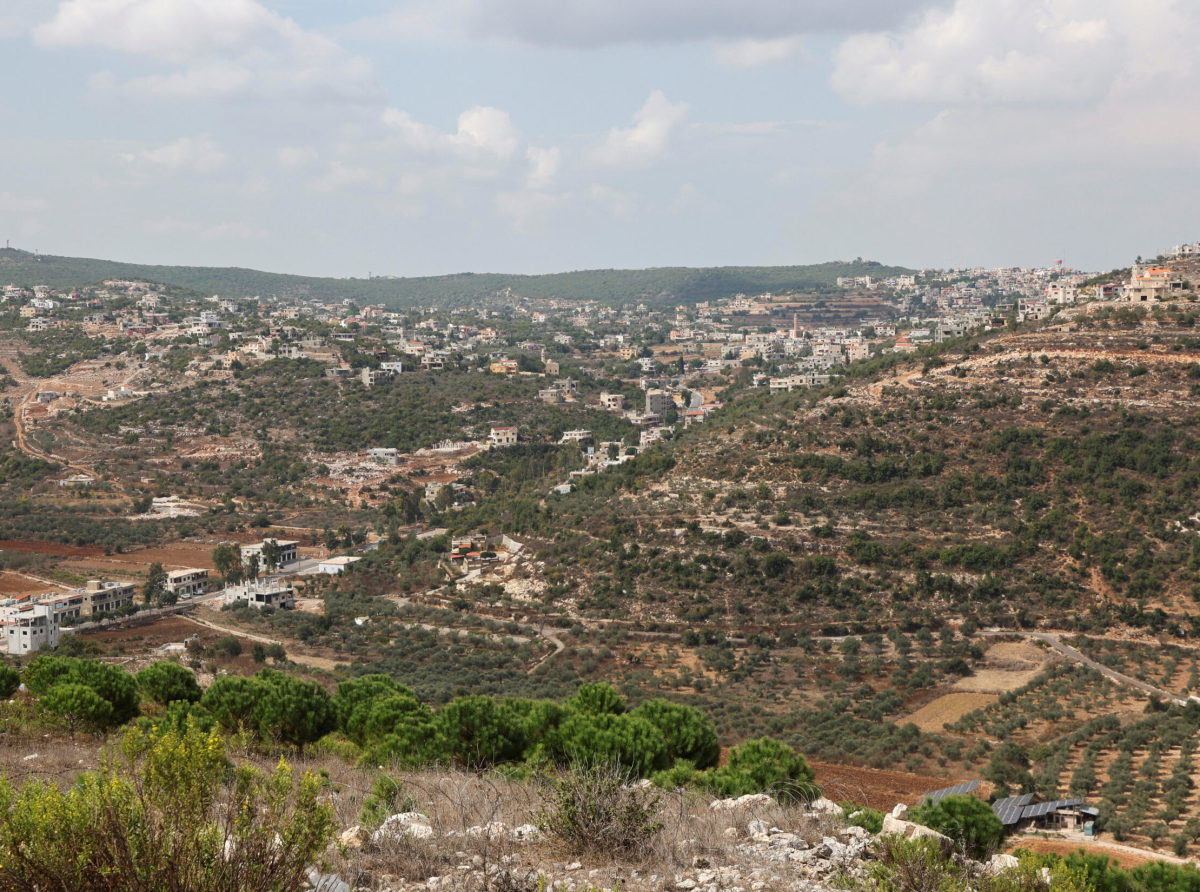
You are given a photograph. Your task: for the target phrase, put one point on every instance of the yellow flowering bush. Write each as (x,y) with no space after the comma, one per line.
(165,811)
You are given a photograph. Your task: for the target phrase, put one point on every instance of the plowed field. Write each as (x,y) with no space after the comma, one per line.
(878,789)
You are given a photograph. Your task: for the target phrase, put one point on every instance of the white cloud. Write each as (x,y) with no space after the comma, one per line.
(410,183)
(1000,52)
(543,166)
(620,204)
(483,133)
(296,157)
(529,211)
(340,176)
(415,135)
(752,53)
(177,31)
(488,130)
(187,154)
(644,142)
(220,47)
(203,82)
(20,204)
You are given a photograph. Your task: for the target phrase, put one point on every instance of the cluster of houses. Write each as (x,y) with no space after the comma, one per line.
(33,621)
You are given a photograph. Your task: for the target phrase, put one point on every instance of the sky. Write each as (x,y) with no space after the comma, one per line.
(421,137)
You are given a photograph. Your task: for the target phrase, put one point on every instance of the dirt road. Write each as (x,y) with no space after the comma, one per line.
(1051,638)
(313,662)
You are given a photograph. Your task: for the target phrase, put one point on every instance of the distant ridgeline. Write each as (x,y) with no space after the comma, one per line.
(663,286)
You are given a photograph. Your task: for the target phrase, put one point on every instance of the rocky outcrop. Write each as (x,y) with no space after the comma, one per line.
(818,854)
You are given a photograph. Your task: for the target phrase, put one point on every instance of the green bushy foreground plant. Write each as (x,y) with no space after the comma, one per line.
(166,810)
(931,865)
(970,822)
(1099,873)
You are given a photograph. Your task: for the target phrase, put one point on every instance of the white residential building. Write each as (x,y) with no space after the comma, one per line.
(31,627)
(186,583)
(262,593)
(335,565)
(383,456)
(503,436)
(289,551)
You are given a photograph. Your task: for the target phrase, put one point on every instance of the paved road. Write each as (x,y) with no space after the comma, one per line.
(1071,653)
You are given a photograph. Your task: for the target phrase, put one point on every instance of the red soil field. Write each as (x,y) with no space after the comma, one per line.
(870,786)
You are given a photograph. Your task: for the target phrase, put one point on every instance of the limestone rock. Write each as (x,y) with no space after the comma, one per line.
(409,823)
(908,829)
(354,838)
(1000,863)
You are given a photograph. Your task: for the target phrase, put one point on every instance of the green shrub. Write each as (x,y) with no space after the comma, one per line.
(358,692)
(968,821)
(78,707)
(153,818)
(764,765)
(10,680)
(679,776)
(597,699)
(861,816)
(166,682)
(928,865)
(596,810)
(540,720)
(228,646)
(629,741)
(476,731)
(110,683)
(689,734)
(176,717)
(275,707)
(385,799)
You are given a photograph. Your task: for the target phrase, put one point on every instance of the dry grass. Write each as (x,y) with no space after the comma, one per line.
(692,833)
(948,708)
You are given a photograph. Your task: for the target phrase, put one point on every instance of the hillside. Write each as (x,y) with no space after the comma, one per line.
(664,286)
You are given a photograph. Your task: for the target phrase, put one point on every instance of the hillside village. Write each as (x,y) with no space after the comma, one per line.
(932,531)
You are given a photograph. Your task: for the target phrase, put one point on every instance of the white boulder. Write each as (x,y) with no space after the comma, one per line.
(410,823)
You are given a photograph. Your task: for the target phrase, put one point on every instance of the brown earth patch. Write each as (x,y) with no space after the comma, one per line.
(1016,653)
(15,584)
(1007,665)
(873,787)
(948,708)
(153,632)
(995,681)
(34,546)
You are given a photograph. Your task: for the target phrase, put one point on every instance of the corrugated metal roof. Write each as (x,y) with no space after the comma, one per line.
(956,790)
(1044,808)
